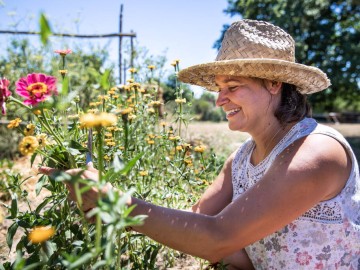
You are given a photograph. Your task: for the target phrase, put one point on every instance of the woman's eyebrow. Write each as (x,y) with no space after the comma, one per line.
(228,81)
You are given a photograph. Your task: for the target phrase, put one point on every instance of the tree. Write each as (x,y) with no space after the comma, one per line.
(327,34)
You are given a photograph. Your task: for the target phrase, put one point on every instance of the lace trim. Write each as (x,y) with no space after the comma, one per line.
(245,175)
(327,212)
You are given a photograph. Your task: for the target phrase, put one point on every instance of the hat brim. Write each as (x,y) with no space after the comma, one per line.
(307,79)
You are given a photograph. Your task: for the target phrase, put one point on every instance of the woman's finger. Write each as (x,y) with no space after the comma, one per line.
(47,170)
(90,167)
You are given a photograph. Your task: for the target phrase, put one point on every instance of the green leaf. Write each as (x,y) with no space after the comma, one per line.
(104,82)
(14,206)
(112,174)
(45,30)
(73,151)
(33,158)
(33,266)
(65,86)
(42,205)
(117,164)
(39,185)
(81,261)
(10,235)
(131,163)
(78,146)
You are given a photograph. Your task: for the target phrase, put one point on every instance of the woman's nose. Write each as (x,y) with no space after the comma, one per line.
(221,99)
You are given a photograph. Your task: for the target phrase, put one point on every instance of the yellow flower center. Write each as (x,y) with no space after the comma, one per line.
(37,89)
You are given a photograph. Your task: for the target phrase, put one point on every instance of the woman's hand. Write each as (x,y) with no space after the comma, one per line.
(90,196)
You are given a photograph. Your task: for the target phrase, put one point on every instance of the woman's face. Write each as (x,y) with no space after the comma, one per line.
(247,102)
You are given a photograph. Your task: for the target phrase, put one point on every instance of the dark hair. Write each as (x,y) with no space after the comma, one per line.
(293,105)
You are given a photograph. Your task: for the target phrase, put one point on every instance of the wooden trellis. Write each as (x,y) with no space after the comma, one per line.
(119,35)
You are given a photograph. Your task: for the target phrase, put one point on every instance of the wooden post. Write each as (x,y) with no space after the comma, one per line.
(120,44)
(132,51)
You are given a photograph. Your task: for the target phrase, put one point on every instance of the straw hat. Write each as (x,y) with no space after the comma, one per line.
(257,49)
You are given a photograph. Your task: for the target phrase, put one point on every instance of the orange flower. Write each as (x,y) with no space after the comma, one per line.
(200,148)
(41,234)
(28,145)
(14,123)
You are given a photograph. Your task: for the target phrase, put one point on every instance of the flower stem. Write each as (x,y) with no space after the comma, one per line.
(100,170)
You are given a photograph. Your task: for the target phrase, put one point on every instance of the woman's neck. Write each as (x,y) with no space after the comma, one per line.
(268,139)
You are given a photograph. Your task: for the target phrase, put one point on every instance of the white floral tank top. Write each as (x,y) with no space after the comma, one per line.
(327,236)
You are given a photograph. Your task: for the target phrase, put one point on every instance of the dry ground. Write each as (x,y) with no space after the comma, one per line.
(215,135)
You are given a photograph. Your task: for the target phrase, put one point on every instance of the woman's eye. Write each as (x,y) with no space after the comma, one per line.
(232,88)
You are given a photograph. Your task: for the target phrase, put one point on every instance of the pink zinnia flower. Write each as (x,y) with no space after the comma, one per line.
(36,87)
(63,52)
(4,93)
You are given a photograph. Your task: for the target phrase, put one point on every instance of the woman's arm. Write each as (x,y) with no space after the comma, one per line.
(219,194)
(303,175)
(311,170)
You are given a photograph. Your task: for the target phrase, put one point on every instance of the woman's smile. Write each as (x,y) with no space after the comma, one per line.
(231,113)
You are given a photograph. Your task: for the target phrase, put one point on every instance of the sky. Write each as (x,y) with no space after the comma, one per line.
(179,29)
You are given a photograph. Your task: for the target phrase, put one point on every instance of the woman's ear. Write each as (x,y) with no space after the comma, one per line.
(273,87)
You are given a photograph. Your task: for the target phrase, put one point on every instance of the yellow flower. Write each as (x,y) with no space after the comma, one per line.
(63,71)
(93,111)
(111,92)
(93,104)
(179,148)
(177,61)
(121,147)
(200,148)
(163,124)
(41,234)
(143,173)
(180,100)
(126,111)
(206,183)
(151,110)
(103,97)
(42,140)
(135,85)
(186,146)
(110,143)
(155,103)
(131,116)
(73,116)
(14,123)
(28,145)
(132,70)
(36,112)
(188,161)
(108,134)
(29,130)
(174,138)
(173,63)
(107,158)
(150,141)
(151,67)
(151,136)
(141,90)
(103,119)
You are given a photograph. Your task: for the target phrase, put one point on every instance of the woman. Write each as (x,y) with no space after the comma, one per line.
(289,197)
